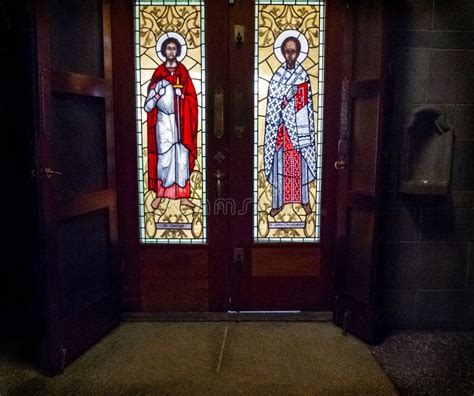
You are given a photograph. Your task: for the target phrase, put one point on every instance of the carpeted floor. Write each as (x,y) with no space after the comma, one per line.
(212,358)
(429,362)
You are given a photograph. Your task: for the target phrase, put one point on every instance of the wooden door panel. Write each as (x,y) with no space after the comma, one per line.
(275,261)
(76,178)
(360,231)
(177,280)
(80,332)
(77,42)
(368,30)
(357,303)
(84,259)
(363,143)
(284,293)
(79,144)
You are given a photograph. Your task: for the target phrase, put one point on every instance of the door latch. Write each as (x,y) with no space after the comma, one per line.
(239,35)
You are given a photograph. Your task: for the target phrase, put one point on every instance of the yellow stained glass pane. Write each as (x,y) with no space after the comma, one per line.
(170,104)
(288,111)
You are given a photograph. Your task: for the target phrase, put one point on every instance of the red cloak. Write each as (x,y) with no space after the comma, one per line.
(291,157)
(188,121)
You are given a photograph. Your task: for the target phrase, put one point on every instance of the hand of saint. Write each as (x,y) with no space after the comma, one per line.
(291,92)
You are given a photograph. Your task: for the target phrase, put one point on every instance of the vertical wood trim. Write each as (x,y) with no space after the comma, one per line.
(109,106)
(49,275)
(343,175)
(107,39)
(110,142)
(333,49)
(217,61)
(241,152)
(123,68)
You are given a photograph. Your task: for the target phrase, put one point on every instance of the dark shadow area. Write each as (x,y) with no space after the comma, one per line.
(19,308)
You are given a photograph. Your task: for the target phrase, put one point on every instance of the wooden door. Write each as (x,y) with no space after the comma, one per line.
(75,172)
(359,232)
(282,273)
(158,276)
(231,270)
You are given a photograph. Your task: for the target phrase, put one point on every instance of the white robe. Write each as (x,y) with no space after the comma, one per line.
(299,125)
(173,163)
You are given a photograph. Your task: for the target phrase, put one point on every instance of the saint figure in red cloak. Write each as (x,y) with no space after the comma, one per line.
(172,122)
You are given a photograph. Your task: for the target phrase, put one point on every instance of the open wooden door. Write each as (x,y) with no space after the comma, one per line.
(75,178)
(360,168)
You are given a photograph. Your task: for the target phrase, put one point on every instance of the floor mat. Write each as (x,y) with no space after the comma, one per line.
(213,358)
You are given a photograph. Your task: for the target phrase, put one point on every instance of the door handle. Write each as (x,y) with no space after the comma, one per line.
(219,112)
(48,172)
(219,175)
(340,165)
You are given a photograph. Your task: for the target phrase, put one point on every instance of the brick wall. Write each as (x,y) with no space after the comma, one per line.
(429,273)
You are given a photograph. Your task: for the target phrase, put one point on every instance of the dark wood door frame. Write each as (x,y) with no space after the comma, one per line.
(220,270)
(125,138)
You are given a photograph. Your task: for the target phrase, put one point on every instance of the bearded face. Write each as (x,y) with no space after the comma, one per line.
(290,52)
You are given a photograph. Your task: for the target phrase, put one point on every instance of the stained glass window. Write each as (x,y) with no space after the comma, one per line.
(288,86)
(170,102)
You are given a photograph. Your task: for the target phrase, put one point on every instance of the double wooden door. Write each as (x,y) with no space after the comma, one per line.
(233,269)
(92,109)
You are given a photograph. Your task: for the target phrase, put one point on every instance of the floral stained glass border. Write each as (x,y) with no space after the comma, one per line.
(275,20)
(155,20)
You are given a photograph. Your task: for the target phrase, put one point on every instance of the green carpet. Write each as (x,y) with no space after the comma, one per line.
(212,358)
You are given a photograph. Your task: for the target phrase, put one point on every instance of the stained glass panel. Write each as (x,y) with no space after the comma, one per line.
(288,89)
(170,102)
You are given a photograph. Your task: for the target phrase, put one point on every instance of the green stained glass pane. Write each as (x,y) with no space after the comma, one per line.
(170,133)
(289,62)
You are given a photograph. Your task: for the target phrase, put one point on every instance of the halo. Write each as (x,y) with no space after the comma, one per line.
(297,35)
(177,36)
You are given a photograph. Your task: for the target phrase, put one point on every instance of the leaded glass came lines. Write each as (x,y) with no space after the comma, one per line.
(170,102)
(289,80)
